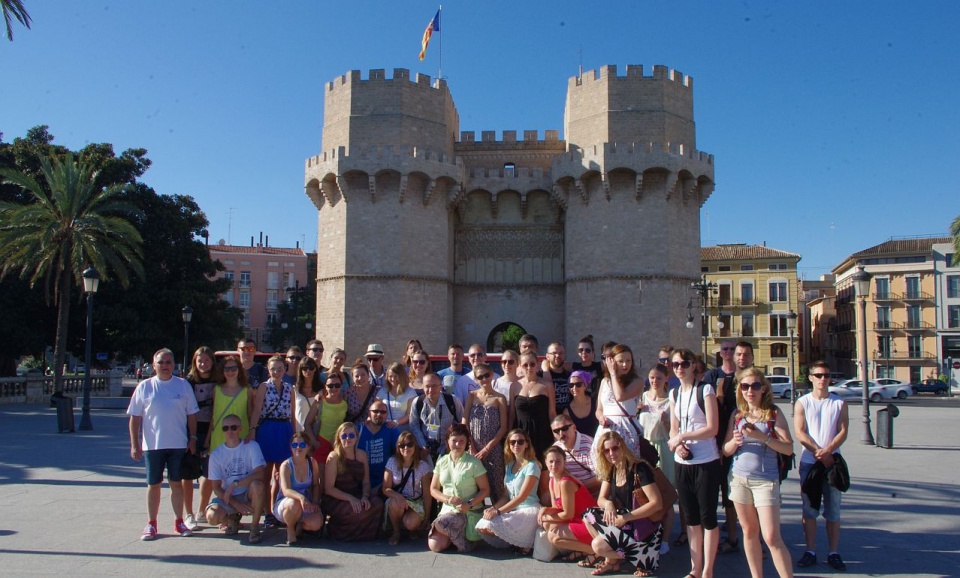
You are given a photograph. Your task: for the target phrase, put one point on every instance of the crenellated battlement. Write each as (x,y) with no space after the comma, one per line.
(509,137)
(614,150)
(387,154)
(609,71)
(376,75)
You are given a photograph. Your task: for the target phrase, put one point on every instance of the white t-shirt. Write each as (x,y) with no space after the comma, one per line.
(231,464)
(692,418)
(502,386)
(163,407)
(467,383)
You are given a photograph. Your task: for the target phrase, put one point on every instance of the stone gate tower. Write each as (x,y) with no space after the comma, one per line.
(422,235)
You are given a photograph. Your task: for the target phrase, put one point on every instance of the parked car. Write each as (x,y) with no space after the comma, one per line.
(934,386)
(780,385)
(852,389)
(80,369)
(145,371)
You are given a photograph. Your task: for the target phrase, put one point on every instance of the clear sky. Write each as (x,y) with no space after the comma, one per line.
(834,124)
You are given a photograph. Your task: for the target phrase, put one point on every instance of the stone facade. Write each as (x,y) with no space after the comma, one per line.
(426,232)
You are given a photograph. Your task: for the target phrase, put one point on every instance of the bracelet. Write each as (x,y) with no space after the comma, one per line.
(497,509)
(193,437)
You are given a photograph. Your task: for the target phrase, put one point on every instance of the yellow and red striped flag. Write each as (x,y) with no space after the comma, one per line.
(433,26)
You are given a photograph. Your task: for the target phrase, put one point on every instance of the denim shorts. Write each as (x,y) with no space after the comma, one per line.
(157,460)
(831,499)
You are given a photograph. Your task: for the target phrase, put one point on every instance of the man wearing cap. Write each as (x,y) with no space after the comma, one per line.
(378,374)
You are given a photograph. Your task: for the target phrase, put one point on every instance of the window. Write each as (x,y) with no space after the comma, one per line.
(723,320)
(724,294)
(915,346)
(953,316)
(271,318)
(272,299)
(228,262)
(244,302)
(245,279)
(704,269)
(778,326)
(777,267)
(778,291)
(953,286)
(915,374)
(746,293)
(883,288)
(913,287)
(228,297)
(778,350)
(883,343)
(746,325)
(746,267)
(246,319)
(291,280)
(509,170)
(885,371)
(273,280)
(228,275)
(883,317)
(273,263)
(913,316)
(723,268)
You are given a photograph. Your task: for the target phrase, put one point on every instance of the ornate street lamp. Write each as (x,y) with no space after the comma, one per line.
(791,327)
(187,316)
(705,289)
(690,314)
(861,281)
(91,282)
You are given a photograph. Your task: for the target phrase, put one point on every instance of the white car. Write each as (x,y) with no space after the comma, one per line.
(780,385)
(851,388)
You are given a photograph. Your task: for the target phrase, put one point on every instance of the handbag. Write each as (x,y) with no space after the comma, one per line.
(191,466)
(543,550)
(668,494)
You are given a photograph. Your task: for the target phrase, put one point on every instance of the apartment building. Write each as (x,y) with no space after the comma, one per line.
(262,277)
(756,290)
(948,310)
(818,300)
(901,317)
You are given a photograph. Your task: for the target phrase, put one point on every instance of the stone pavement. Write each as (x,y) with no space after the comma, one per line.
(73,504)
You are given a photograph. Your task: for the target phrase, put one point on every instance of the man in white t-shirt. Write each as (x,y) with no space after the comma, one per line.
(236,470)
(163,413)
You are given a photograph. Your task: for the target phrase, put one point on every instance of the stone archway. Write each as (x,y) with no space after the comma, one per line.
(505,336)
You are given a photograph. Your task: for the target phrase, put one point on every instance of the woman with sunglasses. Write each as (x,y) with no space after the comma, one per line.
(508,385)
(535,406)
(298,503)
(354,513)
(693,432)
(231,396)
(419,366)
(413,346)
(407,475)
(307,388)
(583,408)
(569,499)
(618,398)
(460,484)
(623,528)
(361,394)
(337,358)
(398,395)
(486,416)
(654,418)
(274,421)
(512,520)
(757,433)
(325,417)
(203,377)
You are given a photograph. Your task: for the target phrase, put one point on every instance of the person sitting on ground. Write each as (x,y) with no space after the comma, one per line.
(578,449)
(406,481)
(378,441)
(236,470)
(512,520)
(563,519)
(298,503)
(355,514)
(325,417)
(460,484)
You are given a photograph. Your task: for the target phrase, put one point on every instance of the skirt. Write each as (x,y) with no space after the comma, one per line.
(644,553)
(274,439)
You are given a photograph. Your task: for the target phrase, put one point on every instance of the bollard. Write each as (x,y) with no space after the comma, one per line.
(885,425)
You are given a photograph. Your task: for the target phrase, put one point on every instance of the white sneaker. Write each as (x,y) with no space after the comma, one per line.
(190,522)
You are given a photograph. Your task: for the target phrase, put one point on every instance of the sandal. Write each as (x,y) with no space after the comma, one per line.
(681,539)
(255,537)
(728,546)
(394,539)
(607,567)
(643,573)
(590,561)
(574,556)
(232,525)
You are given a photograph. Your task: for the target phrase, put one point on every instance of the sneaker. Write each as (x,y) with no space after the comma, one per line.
(190,522)
(808,559)
(149,532)
(180,528)
(836,563)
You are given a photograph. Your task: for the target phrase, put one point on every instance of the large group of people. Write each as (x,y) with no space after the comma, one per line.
(582,461)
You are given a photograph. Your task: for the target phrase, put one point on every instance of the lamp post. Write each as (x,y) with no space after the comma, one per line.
(690,314)
(309,326)
(861,281)
(91,282)
(187,316)
(792,327)
(705,289)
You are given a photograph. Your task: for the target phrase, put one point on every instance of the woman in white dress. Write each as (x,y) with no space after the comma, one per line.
(512,520)
(619,396)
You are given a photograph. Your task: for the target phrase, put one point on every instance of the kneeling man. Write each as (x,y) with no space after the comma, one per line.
(236,470)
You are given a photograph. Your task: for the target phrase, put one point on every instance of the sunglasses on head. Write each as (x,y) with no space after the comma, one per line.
(562,428)
(683,364)
(233,427)
(298,445)
(755,386)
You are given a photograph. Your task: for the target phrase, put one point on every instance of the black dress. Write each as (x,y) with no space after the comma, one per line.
(533,417)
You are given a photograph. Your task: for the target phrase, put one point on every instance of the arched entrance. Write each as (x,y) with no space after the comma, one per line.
(505,336)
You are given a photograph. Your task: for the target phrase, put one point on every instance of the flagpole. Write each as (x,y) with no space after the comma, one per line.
(440,43)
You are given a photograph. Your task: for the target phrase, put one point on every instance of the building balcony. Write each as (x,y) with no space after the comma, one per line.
(917,296)
(887,326)
(912,356)
(733,302)
(886,296)
(918,326)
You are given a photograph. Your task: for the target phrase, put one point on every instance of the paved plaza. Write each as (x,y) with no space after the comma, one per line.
(73,504)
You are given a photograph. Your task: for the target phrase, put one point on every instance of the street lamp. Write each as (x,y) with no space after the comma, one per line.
(91,282)
(861,281)
(791,327)
(690,314)
(187,316)
(705,289)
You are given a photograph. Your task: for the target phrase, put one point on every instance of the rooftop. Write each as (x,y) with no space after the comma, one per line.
(743,252)
(898,245)
(257,250)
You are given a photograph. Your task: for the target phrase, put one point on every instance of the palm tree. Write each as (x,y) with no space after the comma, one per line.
(955,232)
(61,232)
(15,9)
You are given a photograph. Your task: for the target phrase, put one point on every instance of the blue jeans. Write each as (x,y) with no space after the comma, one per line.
(831,498)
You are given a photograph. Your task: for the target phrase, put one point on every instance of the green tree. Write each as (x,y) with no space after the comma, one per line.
(14,9)
(955,232)
(68,225)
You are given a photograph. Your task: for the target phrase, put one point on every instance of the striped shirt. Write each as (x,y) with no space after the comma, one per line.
(580,459)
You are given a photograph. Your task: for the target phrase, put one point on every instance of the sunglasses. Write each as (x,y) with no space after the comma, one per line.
(577,384)
(820,375)
(298,445)
(483,375)
(663,359)
(374,357)
(305,368)
(562,429)
(334,385)
(755,386)
(507,361)
(405,446)
(230,428)
(294,357)
(231,368)
(612,449)
(248,349)
(315,349)
(518,442)
(378,411)
(419,361)
(348,436)
(584,350)
(683,364)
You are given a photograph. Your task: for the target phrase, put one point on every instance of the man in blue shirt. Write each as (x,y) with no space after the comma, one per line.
(379,441)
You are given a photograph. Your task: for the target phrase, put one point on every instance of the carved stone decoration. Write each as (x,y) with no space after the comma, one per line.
(639,185)
(403,187)
(493,205)
(692,192)
(523,204)
(428,194)
(559,195)
(509,242)
(372,183)
(344,188)
(605,181)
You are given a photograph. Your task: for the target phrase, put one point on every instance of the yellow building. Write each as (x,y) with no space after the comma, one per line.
(756,290)
(901,317)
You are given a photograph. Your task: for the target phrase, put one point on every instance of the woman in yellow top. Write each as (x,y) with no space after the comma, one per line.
(325,417)
(232,396)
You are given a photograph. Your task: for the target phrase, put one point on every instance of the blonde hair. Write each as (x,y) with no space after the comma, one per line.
(338,445)
(766,394)
(529,454)
(604,466)
(400,371)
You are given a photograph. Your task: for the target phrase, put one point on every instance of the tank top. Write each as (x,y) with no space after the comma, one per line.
(331,416)
(221,403)
(296,485)
(755,459)
(582,499)
(823,421)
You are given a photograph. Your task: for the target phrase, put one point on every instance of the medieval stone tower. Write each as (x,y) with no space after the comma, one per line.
(426,232)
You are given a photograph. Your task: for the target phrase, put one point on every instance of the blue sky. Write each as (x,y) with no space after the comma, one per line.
(834,124)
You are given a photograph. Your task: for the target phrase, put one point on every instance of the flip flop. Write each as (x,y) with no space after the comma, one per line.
(606,568)
(589,561)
